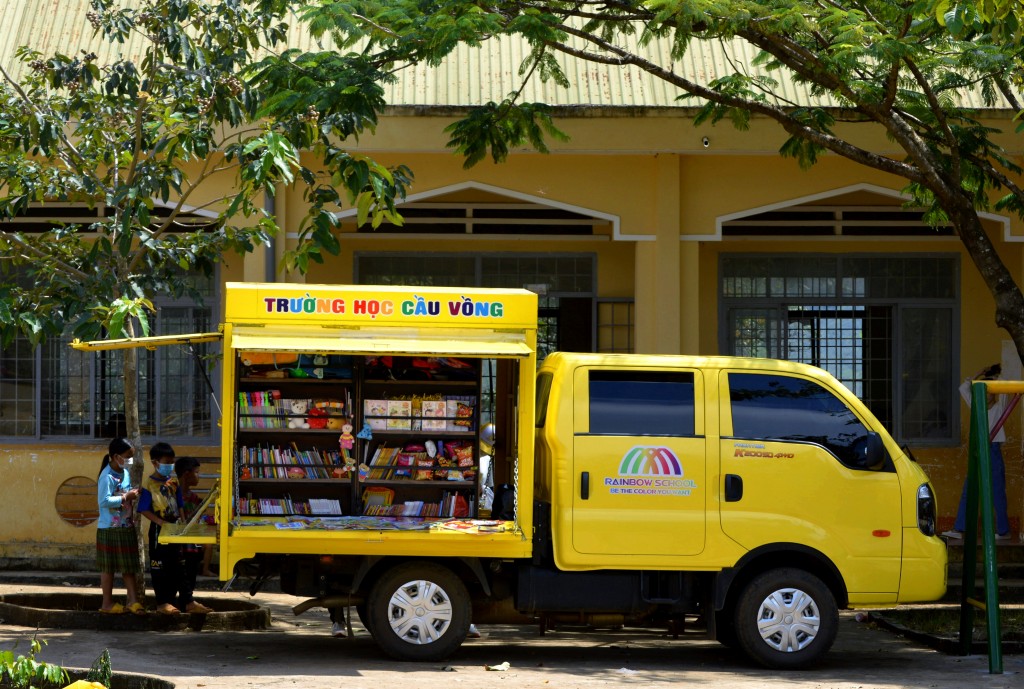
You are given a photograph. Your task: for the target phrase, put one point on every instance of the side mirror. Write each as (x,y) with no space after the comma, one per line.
(874,451)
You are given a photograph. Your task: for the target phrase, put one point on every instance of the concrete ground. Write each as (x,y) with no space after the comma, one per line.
(299,652)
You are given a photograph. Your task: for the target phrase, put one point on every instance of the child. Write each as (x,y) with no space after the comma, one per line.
(996,407)
(187,471)
(116,542)
(159,504)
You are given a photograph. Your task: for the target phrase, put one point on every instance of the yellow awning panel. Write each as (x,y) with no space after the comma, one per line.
(380,340)
(147,342)
(198,534)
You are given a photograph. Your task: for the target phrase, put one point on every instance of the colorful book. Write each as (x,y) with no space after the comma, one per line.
(399,415)
(434,413)
(375,413)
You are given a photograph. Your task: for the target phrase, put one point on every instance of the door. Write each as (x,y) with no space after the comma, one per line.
(792,455)
(639,465)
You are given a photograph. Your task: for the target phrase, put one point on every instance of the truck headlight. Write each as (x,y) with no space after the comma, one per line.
(926,510)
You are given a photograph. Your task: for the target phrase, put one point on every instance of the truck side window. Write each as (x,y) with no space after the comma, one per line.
(641,403)
(774,407)
(543,393)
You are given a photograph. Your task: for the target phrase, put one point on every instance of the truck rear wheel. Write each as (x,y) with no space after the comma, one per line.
(364,617)
(419,611)
(786,619)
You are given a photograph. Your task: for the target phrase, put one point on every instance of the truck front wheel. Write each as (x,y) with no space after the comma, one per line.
(419,611)
(786,619)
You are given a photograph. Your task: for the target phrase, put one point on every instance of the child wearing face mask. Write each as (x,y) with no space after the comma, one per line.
(187,471)
(158,502)
(116,544)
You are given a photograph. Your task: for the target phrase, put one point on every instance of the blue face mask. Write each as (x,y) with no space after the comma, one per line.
(165,470)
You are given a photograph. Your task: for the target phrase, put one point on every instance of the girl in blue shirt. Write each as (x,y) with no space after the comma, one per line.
(116,542)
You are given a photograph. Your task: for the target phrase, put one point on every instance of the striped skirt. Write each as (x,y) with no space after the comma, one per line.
(117,550)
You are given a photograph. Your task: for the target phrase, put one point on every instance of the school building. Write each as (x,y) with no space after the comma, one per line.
(642,233)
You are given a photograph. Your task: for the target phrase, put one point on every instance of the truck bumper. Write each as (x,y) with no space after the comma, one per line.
(923,576)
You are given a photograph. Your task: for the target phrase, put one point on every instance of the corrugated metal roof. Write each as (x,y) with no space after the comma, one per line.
(469,76)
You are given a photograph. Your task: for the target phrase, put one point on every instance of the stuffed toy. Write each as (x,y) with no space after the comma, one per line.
(316,418)
(334,409)
(274,359)
(298,411)
(346,440)
(267,364)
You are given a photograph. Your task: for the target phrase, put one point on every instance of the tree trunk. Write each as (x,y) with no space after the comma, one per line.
(1007,294)
(134,432)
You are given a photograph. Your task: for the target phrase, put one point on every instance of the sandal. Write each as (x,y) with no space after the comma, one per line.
(197,608)
(115,609)
(168,609)
(136,608)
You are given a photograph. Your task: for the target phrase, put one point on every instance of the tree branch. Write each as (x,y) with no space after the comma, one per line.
(38,253)
(791,125)
(939,113)
(79,163)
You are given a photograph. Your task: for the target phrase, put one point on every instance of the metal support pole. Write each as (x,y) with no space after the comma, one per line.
(979,497)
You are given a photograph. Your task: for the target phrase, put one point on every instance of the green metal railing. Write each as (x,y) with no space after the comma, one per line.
(979,499)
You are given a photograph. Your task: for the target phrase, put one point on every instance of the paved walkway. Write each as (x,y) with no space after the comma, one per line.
(298,652)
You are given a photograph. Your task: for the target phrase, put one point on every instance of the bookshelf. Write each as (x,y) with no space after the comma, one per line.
(422,459)
(425,425)
(290,411)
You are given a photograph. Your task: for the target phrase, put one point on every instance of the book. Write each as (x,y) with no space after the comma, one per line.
(375,413)
(382,457)
(324,506)
(399,415)
(434,413)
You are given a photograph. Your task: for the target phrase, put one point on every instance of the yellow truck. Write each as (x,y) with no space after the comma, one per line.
(745,500)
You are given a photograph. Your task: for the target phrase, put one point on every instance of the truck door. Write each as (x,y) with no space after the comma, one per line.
(792,464)
(638,462)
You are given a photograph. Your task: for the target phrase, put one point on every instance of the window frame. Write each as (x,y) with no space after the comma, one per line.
(548,297)
(772,410)
(210,304)
(781,304)
(684,377)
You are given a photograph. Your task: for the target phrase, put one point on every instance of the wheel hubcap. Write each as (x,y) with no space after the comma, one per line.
(420,612)
(788,620)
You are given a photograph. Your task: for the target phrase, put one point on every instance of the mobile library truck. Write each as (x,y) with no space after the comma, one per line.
(746,500)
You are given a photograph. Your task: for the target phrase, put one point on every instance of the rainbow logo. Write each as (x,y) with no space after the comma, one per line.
(650,461)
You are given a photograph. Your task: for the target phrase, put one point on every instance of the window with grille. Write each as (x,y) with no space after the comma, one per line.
(565,283)
(882,325)
(615,325)
(53,391)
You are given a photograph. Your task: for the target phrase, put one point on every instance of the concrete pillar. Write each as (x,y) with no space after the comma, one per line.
(689,298)
(657,269)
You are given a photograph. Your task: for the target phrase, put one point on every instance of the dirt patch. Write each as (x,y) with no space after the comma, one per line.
(76,610)
(939,627)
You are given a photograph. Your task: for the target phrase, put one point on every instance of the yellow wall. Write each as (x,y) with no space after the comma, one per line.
(31,532)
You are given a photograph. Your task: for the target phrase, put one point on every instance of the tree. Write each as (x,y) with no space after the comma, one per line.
(143,136)
(897,67)
(194,100)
